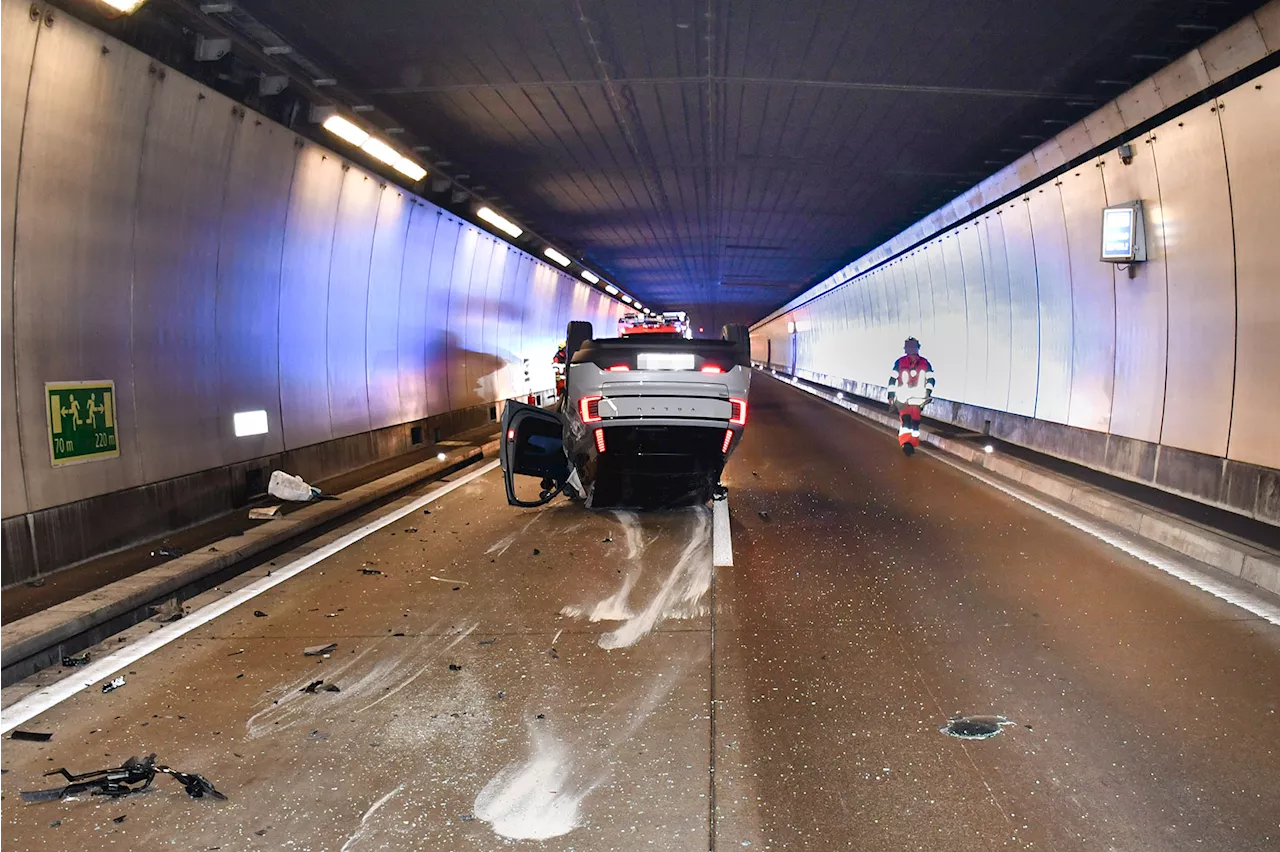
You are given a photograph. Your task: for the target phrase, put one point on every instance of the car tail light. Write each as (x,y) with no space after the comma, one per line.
(619,368)
(589,408)
(599,440)
(728,439)
(712,368)
(739,415)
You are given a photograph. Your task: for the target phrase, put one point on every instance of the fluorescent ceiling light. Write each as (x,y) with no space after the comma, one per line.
(126,6)
(626,298)
(250,423)
(343,129)
(611,290)
(502,224)
(379,150)
(410,169)
(591,277)
(556,256)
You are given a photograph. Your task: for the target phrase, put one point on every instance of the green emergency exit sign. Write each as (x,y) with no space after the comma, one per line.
(82,421)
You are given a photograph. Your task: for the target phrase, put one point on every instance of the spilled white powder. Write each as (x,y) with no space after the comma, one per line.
(534,799)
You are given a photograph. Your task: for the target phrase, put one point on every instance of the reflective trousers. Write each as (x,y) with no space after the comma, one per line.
(909,431)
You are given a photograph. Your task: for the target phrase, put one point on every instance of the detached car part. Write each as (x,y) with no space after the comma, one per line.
(134,776)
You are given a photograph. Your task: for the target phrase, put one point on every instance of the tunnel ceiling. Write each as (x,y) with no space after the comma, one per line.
(725,156)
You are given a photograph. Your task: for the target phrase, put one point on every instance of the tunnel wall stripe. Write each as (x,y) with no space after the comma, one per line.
(210,261)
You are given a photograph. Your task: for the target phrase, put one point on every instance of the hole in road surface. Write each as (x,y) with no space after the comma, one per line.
(975,727)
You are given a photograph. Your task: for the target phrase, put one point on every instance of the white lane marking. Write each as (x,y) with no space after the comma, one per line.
(1175,568)
(721,540)
(50,696)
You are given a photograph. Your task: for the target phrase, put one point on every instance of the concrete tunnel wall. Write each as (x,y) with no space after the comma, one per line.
(1168,377)
(210,261)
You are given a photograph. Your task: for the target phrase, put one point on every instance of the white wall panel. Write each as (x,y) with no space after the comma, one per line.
(1250,129)
(953,337)
(975,312)
(486,288)
(465,255)
(1093,307)
(510,314)
(73,249)
(444,257)
(18,50)
(175,279)
(412,318)
(1053,273)
(1201,271)
(999,318)
(386,267)
(542,318)
(1024,307)
(250,248)
(304,297)
(347,314)
(1142,306)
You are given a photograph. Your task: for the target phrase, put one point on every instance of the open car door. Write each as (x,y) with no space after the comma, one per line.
(533,445)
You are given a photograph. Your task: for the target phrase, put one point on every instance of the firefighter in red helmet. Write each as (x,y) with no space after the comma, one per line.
(910,389)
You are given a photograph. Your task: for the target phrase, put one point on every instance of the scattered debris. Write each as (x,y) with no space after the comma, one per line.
(447,580)
(264,513)
(317,650)
(120,819)
(170,610)
(753,473)
(764,516)
(262,832)
(454,667)
(426,511)
(134,776)
(257,613)
(411,529)
(975,727)
(554,655)
(236,653)
(213,550)
(286,486)
(72,662)
(537,552)
(33,736)
(487,641)
(166,552)
(55,823)
(467,817)
(317,735)
(371,571)
(36,583)
(113,685)
(319,686)
(542,715)
(401,633)
(608,540)
(502,693)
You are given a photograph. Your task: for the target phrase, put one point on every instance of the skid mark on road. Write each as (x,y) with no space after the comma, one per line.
(681,593)
(541,796)
(373,675)
(355,838)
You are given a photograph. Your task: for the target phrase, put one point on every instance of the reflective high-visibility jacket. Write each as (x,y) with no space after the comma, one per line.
(911,381)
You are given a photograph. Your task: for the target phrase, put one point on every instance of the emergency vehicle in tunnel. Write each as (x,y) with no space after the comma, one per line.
(646,421)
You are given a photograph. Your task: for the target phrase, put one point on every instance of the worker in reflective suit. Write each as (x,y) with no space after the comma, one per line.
(910,389)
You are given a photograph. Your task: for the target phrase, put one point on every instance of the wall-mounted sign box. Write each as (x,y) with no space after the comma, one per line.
(82,421)
(1124,239)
